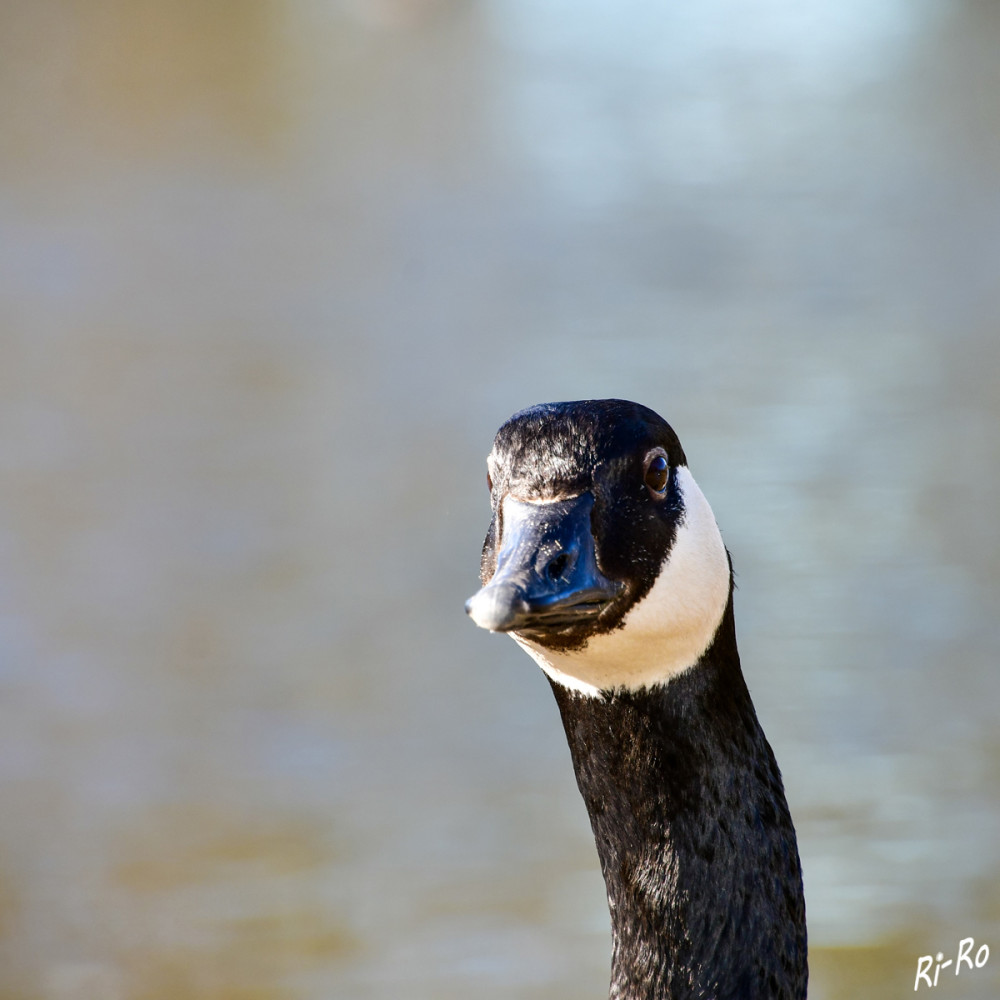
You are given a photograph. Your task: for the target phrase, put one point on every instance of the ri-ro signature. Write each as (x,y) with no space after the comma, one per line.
(964,956)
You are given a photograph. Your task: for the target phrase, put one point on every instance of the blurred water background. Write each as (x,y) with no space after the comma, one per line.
(273,272)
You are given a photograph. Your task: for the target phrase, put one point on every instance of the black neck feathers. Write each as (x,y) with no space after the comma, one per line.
(694,836)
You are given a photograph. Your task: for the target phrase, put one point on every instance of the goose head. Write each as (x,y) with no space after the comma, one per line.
(602,559)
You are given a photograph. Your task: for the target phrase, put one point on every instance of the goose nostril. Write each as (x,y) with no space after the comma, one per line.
(557,566)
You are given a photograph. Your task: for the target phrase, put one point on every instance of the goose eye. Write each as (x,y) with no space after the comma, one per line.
(656,474)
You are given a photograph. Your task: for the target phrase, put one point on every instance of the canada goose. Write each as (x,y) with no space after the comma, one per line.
(604,562)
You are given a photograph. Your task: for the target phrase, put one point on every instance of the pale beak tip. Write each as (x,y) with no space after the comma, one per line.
(495,608)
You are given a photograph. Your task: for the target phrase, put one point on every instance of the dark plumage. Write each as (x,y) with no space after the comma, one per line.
(604,562)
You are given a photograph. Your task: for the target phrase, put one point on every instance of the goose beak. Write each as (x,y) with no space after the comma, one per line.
(547,578)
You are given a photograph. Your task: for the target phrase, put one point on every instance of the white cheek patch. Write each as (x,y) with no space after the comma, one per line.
(669,629)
